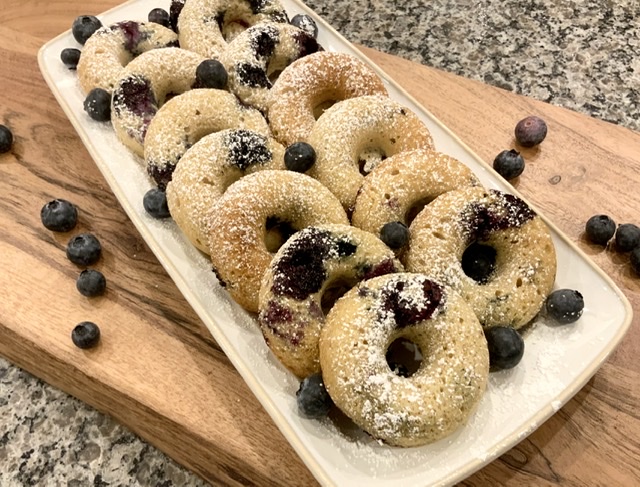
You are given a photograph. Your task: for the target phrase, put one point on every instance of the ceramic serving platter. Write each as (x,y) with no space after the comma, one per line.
(557,363)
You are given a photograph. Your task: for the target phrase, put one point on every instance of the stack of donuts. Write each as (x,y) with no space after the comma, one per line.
(303,249)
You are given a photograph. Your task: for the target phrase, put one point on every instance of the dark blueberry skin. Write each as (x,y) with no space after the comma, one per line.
(70,57)
(395,235)
(91,283)
(506,347)
(85,335)
(627,237)
(509,164)
(59,215)
(635,260)
(600,229)
(479,262)
(530,131)
(565,305)
(6,139)
(155,203)
(306,23)
(211,74)
(299,157)
(159,16)
(84,249)
(98,105)
(84,26)
(313,399)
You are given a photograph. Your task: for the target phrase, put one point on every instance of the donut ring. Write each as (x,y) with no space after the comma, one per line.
(185,119)
(525,266)
(310,84)
(142,88)
(260,52)
(209,168)
(396,190)
(111,48)
(302,273)
(441,395)
(240,221)
(360,132)
(203,25)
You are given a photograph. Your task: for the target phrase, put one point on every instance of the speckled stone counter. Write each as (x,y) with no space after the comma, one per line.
(583,55)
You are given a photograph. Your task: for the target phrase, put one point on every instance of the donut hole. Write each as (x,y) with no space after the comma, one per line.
(277,232)
(404,357)
(334,291)
(416,208)
(369,158)
(479,262)
(322,106)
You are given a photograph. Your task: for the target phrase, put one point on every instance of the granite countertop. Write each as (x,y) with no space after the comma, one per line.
(583,55)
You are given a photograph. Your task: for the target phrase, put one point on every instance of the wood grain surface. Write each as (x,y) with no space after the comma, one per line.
(161,374)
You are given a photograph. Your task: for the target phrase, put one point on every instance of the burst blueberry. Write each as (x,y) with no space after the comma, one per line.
(479,261)
(98,105)
(84,249)
(159,16)
(565,305)
(600,229)
(530,131)
(70,57)
(59,215)
(299,157)
(155,203)
(627,237)
(85,335)
(306,23)
(211,74)
(312,397)
(91,283)
(506,347)
(509,164)
(395,235)
(6,139)
(84,26)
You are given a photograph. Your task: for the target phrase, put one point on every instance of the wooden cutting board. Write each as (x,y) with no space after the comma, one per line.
(158,371)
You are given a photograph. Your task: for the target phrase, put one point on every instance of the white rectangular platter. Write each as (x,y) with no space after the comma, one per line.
(557,363)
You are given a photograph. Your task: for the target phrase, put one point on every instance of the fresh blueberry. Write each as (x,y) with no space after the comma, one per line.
(600,229)
(70,57)
(627,237)
(313,399)
(299,157)
(565,305)
(98,105)
(84,26)
(211,74)
(85,335)
(84,249)
(530,131)
(509,164)
(306,23)
(506,347)
(155,203)
(91,283)
(59,215)
(635,260)
(159,16)
(6,139)
(394,234)
(479,262)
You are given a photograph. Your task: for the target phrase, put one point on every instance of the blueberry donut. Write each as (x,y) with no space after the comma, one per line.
(258,54)
(254,217)
(188,117)
(313,83)
(111,48)
(368,324)
(208,168)
(143,88)
(398,189)
(491,248)
(306,274)
(205,26)
(353,136)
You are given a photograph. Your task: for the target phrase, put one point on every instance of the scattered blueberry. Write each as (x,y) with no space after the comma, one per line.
(306,23)
(70,57)
(627,237)
(84,249)
(313,399)
(565,305)
(211,74)
(506,347)
(159,16)
(509,164)
(91,283)
(299,157)
(59,215)
(85,335)
(479,262)
(84,26)
(600,229)
(530,131)
(155,203)
(98,105)
(394,234)
(6,139)
(635,260)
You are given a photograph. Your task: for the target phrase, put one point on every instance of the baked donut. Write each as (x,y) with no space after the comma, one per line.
(364,326)
(398,189)
(305,275)
(525,258)
(143,87)
(204,26)
(258,54)
(112,47)
(353,136)
(254,216)
(208,168)
(185,119)
(313,83)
